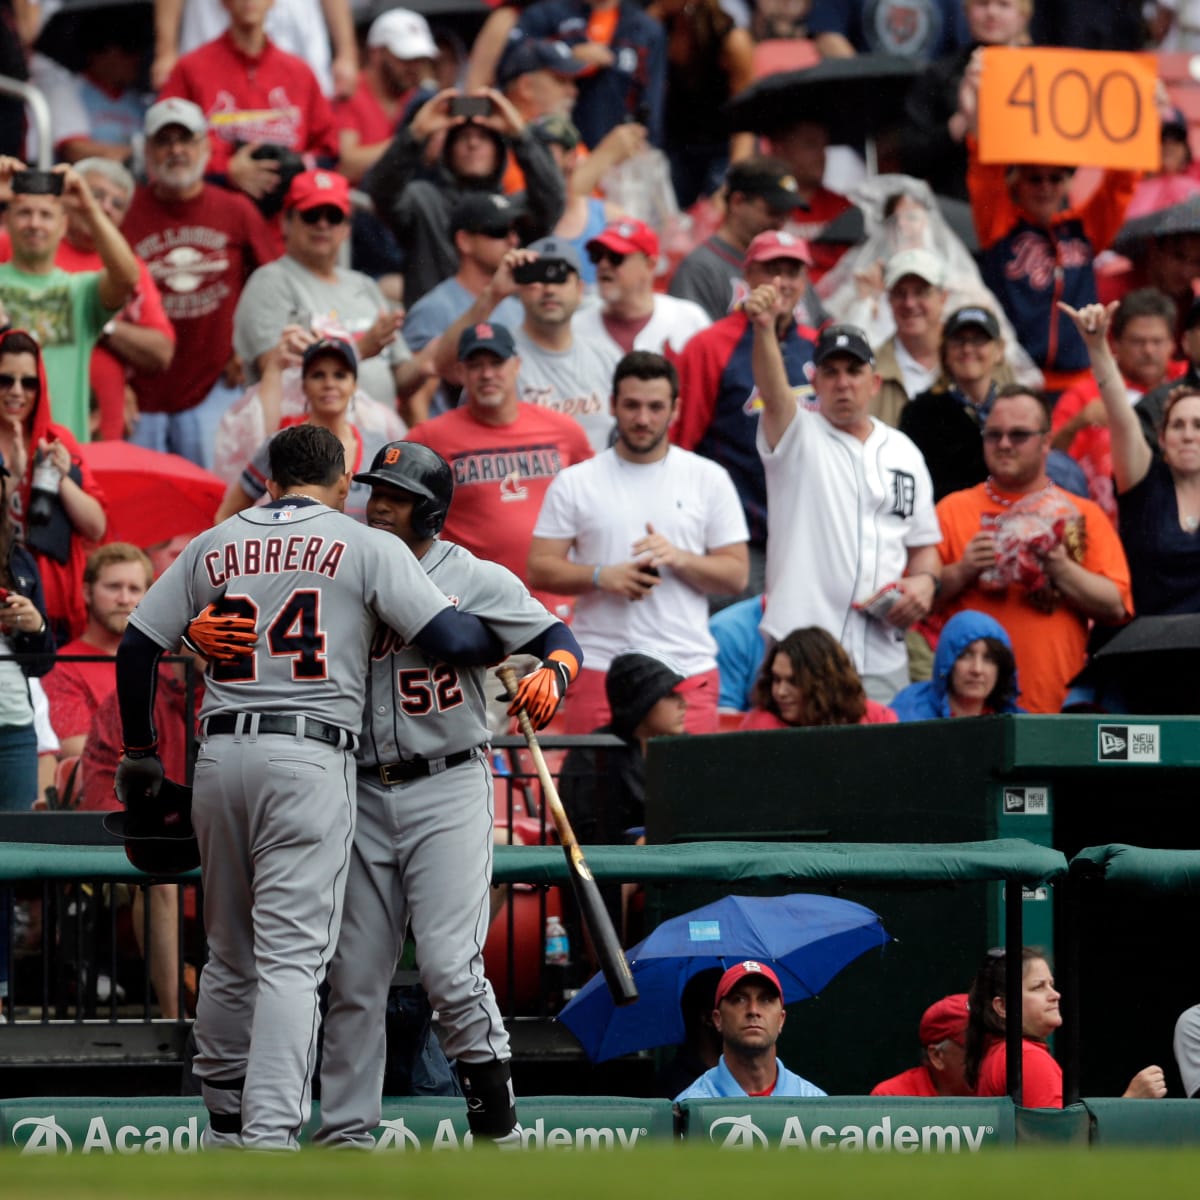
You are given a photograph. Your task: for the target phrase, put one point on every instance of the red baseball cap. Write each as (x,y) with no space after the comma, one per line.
(775,243)
(627,236)
(946,1020)
(739,971)
(315,189)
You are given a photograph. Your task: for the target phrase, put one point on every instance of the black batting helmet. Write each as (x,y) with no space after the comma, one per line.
(417,469)
(157,830)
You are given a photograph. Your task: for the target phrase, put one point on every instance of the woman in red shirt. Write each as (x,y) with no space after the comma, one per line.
(809,680)
(1041,1076)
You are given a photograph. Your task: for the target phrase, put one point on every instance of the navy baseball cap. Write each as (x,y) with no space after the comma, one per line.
(537,54)
(336,347)
(972,317)
(487,335)
(554,247)
(489,213)
(843,339)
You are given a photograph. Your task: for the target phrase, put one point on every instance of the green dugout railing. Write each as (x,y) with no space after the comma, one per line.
(1015,862)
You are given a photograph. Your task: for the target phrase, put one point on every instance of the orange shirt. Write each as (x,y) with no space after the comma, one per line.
(1050,647)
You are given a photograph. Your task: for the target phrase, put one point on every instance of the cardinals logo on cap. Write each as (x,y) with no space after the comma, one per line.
(483,330)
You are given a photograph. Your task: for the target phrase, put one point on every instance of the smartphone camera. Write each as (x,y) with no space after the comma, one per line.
(37,183)
(470,106)
(542,270)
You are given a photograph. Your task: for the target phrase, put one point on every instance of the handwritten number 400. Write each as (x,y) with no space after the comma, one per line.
(1073,103)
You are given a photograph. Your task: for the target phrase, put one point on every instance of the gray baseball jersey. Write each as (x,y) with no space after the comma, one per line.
(274,808)
(431,710)
(314,580)
(422,850)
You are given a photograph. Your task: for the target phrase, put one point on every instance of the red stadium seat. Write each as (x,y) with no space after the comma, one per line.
(784,54)
(1178,66)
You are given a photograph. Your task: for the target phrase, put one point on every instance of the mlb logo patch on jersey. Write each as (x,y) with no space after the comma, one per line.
(283,514)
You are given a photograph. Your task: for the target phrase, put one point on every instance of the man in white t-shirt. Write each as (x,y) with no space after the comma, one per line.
(849,503)
(632,315)
(642,534)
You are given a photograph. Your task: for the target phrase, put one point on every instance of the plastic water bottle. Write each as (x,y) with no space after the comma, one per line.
(558,963)
(558,945)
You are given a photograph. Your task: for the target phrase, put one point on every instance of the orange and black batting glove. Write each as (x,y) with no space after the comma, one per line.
(541,691)
(220,637)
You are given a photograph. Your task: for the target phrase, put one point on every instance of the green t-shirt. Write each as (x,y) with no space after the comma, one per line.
(63,312)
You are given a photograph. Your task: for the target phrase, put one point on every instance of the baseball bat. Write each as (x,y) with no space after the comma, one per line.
(597,922)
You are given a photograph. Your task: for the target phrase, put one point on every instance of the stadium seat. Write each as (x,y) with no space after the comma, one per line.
(784,54)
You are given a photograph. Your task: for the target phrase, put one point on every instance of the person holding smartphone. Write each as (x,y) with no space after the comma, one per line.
(457,143)
(68,309)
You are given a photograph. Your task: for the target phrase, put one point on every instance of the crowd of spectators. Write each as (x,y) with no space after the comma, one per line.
(926,478)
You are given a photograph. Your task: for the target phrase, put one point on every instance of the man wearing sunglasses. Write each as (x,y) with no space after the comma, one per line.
(1007,521)
(307,287)
(632,315)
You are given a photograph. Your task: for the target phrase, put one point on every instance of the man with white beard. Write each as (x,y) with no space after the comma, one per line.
(200,242)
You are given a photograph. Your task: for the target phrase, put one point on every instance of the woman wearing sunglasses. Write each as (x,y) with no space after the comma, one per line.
(54,500)
(1041,1076)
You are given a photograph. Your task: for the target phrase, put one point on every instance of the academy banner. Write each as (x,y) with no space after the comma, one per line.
(164,1125)
(865,1124)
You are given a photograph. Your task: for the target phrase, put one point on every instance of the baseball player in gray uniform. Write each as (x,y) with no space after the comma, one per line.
(423,846)
(274,786)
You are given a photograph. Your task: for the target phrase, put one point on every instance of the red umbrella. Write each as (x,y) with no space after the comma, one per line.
(149,496)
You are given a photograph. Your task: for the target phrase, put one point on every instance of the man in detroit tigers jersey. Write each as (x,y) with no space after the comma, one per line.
(273,804)
(423,845)
(849,503)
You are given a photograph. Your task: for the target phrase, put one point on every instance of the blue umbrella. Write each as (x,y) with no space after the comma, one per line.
(807,938)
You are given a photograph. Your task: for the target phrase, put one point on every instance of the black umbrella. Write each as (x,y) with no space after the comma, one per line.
(1180,218)
(1153,662)
(852,97)
(82,25)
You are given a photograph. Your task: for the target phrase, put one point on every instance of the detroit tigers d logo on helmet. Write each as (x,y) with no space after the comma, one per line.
(417,469)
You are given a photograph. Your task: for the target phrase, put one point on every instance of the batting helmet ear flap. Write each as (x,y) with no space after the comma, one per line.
(157,831)
(422,471)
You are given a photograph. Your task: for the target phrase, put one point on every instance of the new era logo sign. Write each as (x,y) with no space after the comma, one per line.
(1027,801)
(1128,743)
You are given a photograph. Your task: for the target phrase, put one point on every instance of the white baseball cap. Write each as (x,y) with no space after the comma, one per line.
(175,111)
(920,263)
(403,33)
